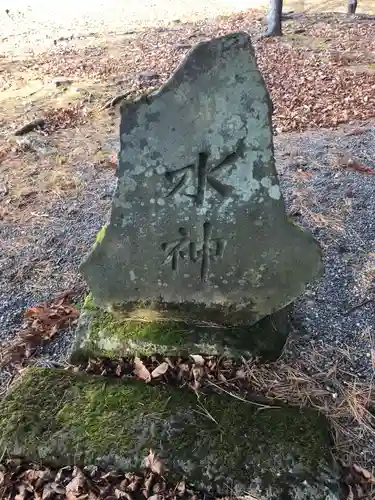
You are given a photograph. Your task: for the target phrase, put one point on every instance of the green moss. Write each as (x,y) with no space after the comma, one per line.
(216,440)
(88,303)
(106,335)
(100,235)
(115,334)
(125,329)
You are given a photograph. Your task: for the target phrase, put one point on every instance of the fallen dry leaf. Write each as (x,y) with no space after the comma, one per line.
(41,323)
(140,370)
(350,494)
(198,373)
(181,488)
(160,370)
(153,463)
(22,493)
(77,486)
(198,359)
(358,167)
(364,474)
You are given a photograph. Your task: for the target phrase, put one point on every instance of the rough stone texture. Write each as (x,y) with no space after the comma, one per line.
(101,333)
(198,223)
(219,443)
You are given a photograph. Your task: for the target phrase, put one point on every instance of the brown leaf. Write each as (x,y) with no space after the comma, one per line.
(22,493)
(350,493)
(198,372)
(148,483)
(49,492)
(183,369)
(358,167)
(198,359)
(31,477)
(153,463)
(140,370)
(364,474)
(181,488)
(121,494)
(77,484)
(57,488)
(32,311)
(160,370)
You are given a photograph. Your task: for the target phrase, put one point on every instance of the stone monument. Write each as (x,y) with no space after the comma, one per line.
(198,232)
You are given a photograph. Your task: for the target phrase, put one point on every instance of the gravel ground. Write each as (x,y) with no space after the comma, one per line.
(338,312)
(338,205)
(41,259)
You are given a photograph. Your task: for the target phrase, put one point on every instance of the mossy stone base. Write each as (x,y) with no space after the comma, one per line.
(115,334)
(218,443)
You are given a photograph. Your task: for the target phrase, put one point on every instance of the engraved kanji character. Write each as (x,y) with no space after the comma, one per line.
(210,249)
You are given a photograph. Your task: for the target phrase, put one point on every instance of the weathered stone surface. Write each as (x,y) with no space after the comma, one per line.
(220,444)
(111,334)
(198,222)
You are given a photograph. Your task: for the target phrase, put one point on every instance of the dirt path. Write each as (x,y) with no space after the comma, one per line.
(36,27)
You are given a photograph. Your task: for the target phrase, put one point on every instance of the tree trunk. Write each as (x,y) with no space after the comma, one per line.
(274,18)
(352,6)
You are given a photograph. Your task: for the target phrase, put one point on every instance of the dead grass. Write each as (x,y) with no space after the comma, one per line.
(344,400)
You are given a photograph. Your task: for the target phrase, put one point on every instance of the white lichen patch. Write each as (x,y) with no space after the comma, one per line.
(273,189)
(119,203)
(274,192)
(127,184)
(132,275)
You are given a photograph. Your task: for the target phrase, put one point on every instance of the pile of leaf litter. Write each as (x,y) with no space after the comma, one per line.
(319,74)
(20,480)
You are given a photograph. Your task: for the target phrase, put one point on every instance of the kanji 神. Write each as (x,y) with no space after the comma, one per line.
(210,249)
